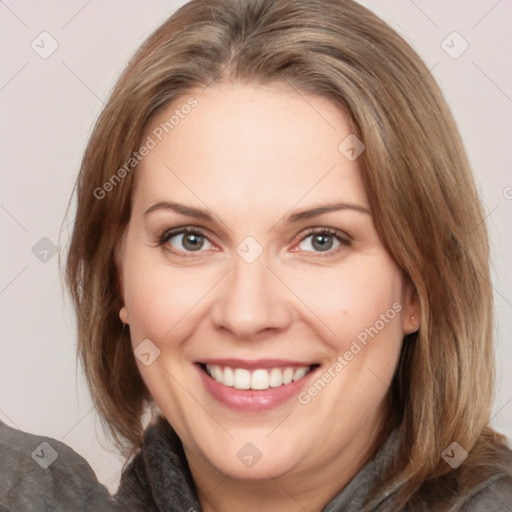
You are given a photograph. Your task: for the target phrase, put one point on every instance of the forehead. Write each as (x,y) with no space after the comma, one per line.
(253,146)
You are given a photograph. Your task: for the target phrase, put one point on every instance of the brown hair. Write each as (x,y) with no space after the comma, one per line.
(417,178)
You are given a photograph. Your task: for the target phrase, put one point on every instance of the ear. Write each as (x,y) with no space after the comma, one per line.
(411,312)
(118,250)
(123,315)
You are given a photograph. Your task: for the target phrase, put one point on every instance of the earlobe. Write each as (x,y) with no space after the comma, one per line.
(413,325)
(123,315)
(411,311)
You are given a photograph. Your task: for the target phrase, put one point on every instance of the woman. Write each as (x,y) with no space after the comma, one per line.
(280,251)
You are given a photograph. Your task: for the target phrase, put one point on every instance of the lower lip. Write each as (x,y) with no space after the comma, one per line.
(248,400)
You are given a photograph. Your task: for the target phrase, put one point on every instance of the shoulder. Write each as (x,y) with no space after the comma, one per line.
(491,489)
(482,484)
(43,474)
(494,495)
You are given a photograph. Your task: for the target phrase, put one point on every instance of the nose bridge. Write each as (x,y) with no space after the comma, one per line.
(251,299)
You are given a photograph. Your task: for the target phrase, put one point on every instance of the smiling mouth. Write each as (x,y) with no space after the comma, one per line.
(258,379)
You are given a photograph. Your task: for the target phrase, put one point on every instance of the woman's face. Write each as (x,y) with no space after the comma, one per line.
(281,275)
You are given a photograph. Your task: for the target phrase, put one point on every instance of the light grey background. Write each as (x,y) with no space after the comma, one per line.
(48,107)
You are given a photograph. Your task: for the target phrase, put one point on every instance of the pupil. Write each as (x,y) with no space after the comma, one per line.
(193,242)
(322,242)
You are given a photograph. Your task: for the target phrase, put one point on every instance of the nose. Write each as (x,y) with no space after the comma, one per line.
(252,300)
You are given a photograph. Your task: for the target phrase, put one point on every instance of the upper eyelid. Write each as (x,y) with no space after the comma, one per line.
(183,230)
(305,233)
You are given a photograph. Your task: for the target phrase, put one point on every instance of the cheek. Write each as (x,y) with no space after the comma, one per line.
(161,299)
(354,303)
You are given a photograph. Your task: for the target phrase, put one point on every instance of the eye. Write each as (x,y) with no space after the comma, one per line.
(187,239)
(190,239)
(324,240)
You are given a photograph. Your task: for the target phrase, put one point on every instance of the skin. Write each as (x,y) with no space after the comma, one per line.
(253,156)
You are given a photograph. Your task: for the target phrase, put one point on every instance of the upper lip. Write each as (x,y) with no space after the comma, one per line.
(254,364)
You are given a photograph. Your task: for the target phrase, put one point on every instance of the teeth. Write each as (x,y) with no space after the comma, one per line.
(276,378)
(288,375)
(217,373)
(228,377)
(299,373)
(242,379)
(259,379)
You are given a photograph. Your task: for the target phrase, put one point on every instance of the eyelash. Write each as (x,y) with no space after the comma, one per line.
(344,239)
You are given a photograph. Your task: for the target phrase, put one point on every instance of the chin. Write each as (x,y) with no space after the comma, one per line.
(256,462)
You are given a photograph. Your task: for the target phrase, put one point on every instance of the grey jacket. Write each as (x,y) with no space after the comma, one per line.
(35,476)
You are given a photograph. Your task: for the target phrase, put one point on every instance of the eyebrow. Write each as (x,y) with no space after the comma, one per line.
(182,209)
(320,210)
(299,216)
